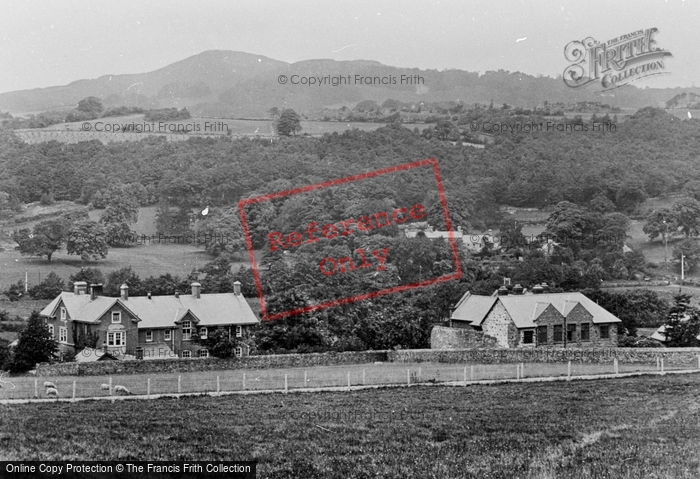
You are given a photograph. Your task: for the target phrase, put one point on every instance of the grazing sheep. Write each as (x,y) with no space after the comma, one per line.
(104,387)
(49,384)
(52,392)
(121,390)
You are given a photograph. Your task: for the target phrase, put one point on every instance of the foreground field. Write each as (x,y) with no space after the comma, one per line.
(638,427)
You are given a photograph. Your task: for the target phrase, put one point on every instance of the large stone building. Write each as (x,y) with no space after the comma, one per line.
(530,319)
(152,327)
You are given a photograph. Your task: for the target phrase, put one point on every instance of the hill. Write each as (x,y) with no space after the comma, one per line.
(228,83)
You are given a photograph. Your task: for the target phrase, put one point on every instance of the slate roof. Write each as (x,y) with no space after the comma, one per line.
(525,308)
(160,311)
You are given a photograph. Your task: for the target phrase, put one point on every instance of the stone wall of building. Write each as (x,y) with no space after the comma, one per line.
(442,337)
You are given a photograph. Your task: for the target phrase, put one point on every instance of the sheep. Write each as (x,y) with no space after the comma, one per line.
(52,392)
(49,384)
(104,387)
(121,390)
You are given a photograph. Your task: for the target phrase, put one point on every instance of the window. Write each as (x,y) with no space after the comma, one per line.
(605,332)
(149,335)
(187,354)
(186,330)
(528,337)
(63,314)
(203,332)
(168,335)
(542,335)
(571,332)
(558,336)
(239,352)
(116,338)
(116,317)
(63,335)
(585,332)
(239,331)
(51,330)
(203,353)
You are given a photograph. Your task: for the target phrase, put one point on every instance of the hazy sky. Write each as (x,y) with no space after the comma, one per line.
(56,42)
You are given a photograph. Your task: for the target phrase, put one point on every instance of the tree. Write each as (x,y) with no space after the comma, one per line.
(288,123)
(217,343)
(122,211)
(89,275)
(687,214)
(91,105)
(690,249)
(49,288)
(35,345)
(660,223)
(683,323)
(46,238)
(87,239)
(221,231)
(127,276)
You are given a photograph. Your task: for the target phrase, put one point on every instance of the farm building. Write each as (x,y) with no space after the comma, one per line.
(149,327)
(537,318)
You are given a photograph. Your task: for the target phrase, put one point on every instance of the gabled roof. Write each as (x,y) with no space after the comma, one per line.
(526,308)
(160,311)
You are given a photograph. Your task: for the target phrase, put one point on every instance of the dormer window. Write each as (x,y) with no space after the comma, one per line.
(116,317)
(63,314)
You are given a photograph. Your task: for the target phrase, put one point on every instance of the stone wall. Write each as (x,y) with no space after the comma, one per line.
(442,337)
(675,356)
(101,368)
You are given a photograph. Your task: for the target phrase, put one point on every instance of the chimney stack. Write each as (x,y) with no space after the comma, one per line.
(503,291)
(237,288)
(124,292)
(79,287)
(95,290)
(545,287)
(149,295)
(537,289)
(517,289)
(196,290)
(177,294)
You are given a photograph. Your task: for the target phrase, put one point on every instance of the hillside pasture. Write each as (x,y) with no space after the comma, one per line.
(633,427)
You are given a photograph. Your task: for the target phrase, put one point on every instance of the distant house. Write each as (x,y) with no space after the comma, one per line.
(472,242)
(530,319)
(149,327)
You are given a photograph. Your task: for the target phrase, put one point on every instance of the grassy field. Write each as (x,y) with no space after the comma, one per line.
(626,428)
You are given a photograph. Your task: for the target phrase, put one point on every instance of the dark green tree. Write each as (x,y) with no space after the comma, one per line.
(288,123)
(49,288)
(87,239)
(35,345)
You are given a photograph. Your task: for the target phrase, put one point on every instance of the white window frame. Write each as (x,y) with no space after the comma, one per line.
(239,331)
(149,335)
(51,330)
(116,338)
(186,354)
(238,352)
(64,314)
(203,333)
(203,353)
(63,334)
(118,315)
(168,335)
(186,330)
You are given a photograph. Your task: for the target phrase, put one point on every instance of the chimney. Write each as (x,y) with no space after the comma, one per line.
(95,291)
(545,287)
(537,289)
(124,292)
(149,295)
(503,291)
(237,288)
(79,287)
(196,290)
(177,294)
(517,289)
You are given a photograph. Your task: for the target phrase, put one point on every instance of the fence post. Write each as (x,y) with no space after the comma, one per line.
(364,377)
(658,364)
(244,381)
(465,375)
(305,380)
(662,365)
(110,386)
(218,385)
(348,380)
(179,384)
(420,371)
(472,372)
(148,388)
(568,370)
(286,385)
(698,361)
(73,390)
(36,388)
(522,370)
(408,377)
(617,367)
(517,371)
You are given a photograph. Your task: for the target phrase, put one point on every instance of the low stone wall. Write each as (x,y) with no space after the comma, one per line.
(442,337)
(676,356)
(101,368)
